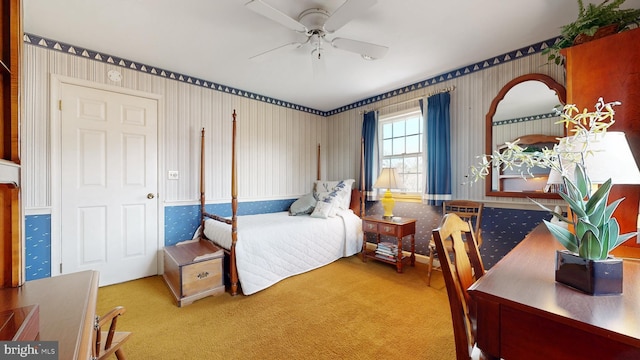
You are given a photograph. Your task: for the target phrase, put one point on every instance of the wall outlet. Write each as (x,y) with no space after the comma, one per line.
(173,175)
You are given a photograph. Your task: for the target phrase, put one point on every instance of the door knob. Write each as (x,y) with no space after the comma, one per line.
(150,196)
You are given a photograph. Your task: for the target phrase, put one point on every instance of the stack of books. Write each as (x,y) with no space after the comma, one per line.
(387,251)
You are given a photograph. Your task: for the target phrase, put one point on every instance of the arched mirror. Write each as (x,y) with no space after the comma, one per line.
(523,109)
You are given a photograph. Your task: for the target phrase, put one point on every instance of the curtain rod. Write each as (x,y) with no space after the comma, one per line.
(447,89)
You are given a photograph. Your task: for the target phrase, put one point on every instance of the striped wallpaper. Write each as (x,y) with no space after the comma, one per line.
(277,143)
(470,103)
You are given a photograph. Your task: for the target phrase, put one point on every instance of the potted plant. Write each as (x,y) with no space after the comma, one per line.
(593,22)
(587,264)
(589,232)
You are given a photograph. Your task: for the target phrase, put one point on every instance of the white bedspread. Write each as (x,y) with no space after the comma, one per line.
(274,246)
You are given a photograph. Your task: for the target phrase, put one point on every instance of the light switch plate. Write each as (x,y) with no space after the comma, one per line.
(173,175)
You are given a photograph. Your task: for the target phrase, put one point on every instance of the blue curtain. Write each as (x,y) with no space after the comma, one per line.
(369,135)
(438,139)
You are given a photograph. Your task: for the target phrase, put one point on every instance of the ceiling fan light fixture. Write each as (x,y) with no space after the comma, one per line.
(316,23)
(313,19)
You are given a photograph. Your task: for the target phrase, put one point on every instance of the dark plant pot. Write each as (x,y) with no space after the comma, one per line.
(600,33)
(594,277)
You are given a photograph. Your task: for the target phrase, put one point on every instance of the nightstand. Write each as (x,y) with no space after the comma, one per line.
(399,227)
(193,270)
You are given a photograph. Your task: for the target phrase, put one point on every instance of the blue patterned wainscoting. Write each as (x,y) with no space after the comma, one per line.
(37,246)
(502,229)
(181,222)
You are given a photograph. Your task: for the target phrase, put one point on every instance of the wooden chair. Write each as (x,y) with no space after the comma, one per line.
(114,339)
(460,268)
(465,209)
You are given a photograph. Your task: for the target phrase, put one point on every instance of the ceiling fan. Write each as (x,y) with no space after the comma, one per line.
(316,24)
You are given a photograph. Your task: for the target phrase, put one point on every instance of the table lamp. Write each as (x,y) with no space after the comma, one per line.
(388,179)
(612,158)
(605,156)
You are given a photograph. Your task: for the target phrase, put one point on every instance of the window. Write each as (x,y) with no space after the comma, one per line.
(401,147)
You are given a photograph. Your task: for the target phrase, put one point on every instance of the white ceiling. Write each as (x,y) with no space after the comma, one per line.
(213,40)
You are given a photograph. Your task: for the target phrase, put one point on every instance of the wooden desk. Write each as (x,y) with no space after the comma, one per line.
(524,314)
(67,309)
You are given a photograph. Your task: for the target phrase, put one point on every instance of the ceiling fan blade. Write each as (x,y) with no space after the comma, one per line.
(294,45)
(349,10)
(366,50)
(261,8)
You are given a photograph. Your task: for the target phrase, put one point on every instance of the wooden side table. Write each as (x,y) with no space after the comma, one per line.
(193,270)
(398,227)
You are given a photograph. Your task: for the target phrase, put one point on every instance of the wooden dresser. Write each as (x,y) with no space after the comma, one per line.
(67,309)
(11,217)
(610,68)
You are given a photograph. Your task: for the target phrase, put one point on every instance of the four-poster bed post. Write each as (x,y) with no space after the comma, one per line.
(318,164)
(233,273)
(234,211)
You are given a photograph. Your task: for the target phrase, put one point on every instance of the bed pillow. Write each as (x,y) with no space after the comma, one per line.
(340,189)
(325,209)
(304,205)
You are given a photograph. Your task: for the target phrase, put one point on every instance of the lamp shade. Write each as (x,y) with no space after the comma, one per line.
(555,183)
(389,179)
(9,173)
(554,177)
(606,156)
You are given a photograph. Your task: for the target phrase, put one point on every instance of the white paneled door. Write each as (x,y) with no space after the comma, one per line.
(109,205)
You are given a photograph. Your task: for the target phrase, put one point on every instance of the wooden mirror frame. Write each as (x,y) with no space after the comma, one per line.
(560,91)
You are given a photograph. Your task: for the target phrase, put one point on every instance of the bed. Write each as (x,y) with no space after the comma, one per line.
(261,250)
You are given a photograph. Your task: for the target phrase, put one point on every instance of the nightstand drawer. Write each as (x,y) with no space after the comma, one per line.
(387,229)
(201,276)
(369,226)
